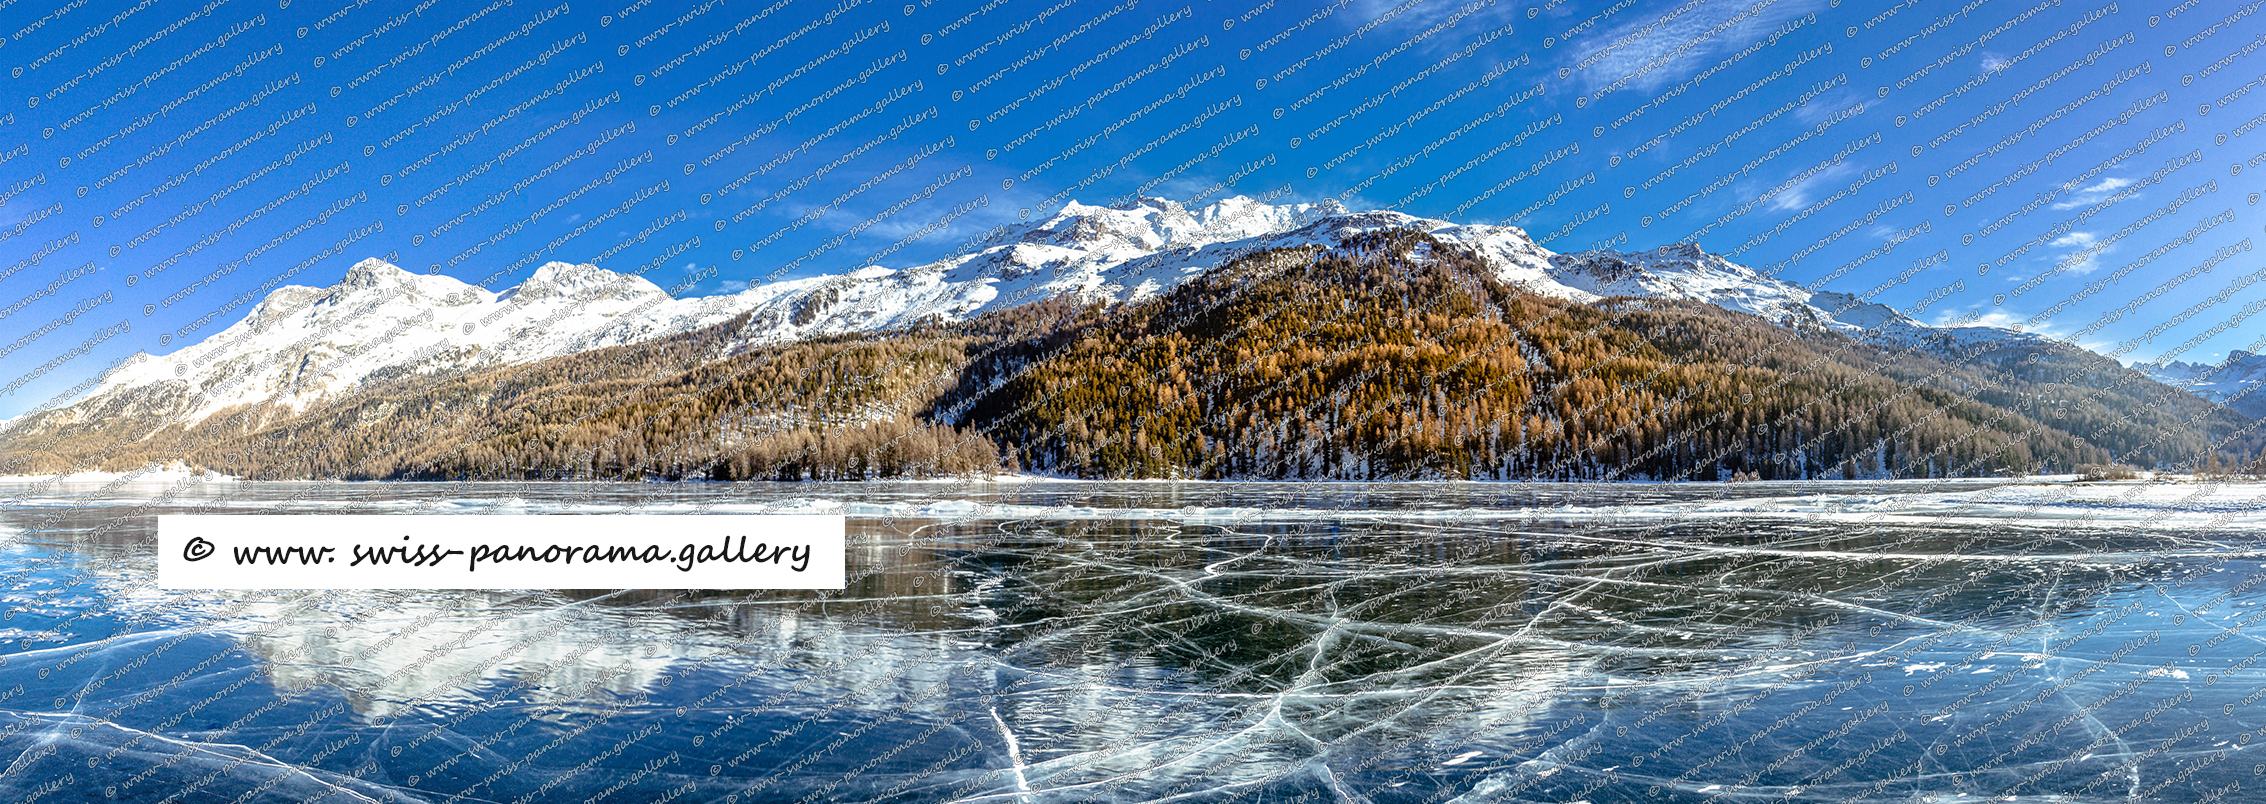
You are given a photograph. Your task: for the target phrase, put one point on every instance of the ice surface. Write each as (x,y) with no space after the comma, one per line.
(1047,641)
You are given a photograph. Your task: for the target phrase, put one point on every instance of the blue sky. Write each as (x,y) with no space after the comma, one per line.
(2066,166)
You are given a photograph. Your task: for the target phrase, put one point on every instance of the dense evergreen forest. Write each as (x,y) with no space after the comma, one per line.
(1394,356)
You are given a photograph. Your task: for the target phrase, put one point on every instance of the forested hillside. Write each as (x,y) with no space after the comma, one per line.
(830,408)
(1400,357)
(1395,355)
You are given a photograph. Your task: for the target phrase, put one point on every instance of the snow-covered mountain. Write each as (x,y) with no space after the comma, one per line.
(302,344)
(2234,382)
(1683,271)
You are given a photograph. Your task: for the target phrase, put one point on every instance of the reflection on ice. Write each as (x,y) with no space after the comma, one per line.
(1201,642)
(430,652)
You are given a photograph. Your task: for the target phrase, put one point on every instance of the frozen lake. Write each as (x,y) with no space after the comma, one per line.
(1203,642)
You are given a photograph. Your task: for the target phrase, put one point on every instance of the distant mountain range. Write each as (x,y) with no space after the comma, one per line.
(304,354)
(2233,382)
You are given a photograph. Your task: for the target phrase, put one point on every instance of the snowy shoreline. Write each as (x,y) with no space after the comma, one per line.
(170,472)
(176,472)
(2159,503)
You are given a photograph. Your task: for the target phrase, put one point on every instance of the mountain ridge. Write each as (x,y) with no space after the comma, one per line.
(2233,382)
(1392,354)
(386,334)
(436,323)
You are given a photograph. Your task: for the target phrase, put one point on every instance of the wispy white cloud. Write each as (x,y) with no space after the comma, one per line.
(1422,17)
(899,226)
(1996,317)
(1993,62)
(1826,104)
(1650,54)
(2092,195)
(2076,242)
(1884,232)
(1798,196)
(733,285)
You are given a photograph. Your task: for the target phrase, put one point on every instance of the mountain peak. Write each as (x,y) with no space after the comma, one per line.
(1683,252)
(387,279)
(1149,223)
(373,273)
(568,280)
(1157,203)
